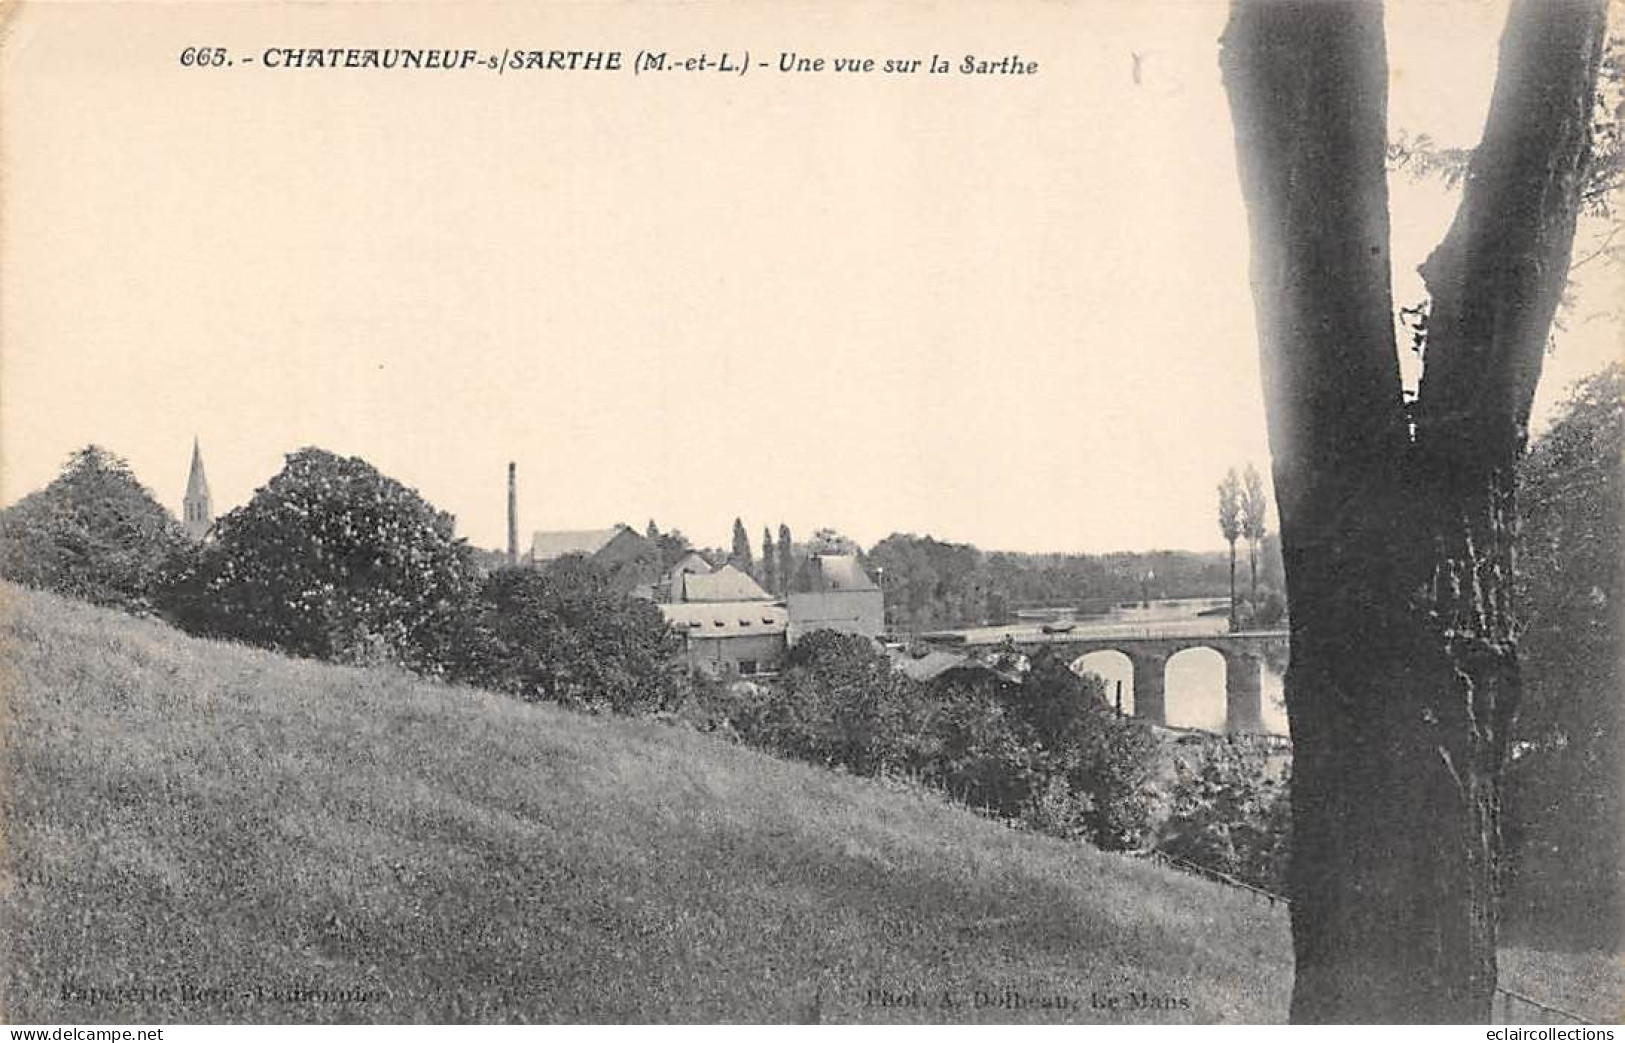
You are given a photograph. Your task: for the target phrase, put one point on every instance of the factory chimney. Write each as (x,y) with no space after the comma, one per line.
(513,513)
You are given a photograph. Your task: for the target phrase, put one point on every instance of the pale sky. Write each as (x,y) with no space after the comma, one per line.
(1011,311)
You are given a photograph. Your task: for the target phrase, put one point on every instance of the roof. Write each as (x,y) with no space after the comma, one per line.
(1006,666)
(726,618)
(547,545)
(725,584)
(691,562)
(197,483)
(841,572)
(928,666)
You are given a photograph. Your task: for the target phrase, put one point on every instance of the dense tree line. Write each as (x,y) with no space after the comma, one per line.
(931,583)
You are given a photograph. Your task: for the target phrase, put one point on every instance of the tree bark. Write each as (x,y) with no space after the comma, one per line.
(1397,545)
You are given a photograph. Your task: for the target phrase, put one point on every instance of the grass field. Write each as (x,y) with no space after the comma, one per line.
(197,832)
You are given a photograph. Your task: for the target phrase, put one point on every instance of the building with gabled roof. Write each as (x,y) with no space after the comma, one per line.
(548,545)
(626,556)
(835,593)
(740,637)
(728,583)
(728,622)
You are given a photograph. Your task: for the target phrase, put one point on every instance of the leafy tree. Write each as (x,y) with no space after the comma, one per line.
(770,563)
(1230,503)
(671,546)
(1397,518)
(333,560)
(566,636)
(1229,813)
(740,558)
(1254,505)
(1105,759)
(930,583)
(838,703)
(787,559)
(974,750)
(1563,800)
(93,533)
(829,541)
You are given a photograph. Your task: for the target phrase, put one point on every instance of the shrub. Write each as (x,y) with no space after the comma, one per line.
(565,636)
(837,703)
(1230,814)
(335,561)
(974,748)
(94,533)
(1105,759)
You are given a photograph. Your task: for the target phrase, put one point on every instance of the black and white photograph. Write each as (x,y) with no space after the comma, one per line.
(732,512)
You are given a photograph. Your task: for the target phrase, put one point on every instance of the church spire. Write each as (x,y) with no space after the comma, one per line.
(199,511)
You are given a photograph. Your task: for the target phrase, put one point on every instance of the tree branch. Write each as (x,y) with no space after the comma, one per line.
(1498,276)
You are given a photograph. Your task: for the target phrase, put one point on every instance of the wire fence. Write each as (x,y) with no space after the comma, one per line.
(1504,1006)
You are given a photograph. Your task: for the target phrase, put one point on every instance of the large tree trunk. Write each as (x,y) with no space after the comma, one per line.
(1397,541)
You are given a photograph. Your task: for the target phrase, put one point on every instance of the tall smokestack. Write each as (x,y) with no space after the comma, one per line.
(513,513)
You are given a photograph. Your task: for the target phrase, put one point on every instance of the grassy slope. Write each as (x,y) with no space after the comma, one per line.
(187,815)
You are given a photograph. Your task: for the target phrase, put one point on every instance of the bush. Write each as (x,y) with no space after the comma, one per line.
(564,636)
(94,533)
(974,748)
(1230,814)
(1268,611)
(838,703)
(1105,759)
(1037,745)
(335,561)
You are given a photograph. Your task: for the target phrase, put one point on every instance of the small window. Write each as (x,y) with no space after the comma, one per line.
(747,667)
(744,622)
(719,623)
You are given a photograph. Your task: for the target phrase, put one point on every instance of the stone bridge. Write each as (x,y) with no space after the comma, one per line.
(1148,652)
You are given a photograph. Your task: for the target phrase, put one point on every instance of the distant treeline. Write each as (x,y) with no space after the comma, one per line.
(930,583)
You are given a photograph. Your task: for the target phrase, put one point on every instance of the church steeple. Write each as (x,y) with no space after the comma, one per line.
(198,508)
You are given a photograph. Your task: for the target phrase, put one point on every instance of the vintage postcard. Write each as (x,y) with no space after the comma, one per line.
(701,512)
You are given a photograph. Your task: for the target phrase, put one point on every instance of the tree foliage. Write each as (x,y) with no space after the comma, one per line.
(1563,806)
(1254,512)
(565,636)
(1230,526)
(1037,746)
(931,583)
(93,533)
(787,559)
(770,563)
(1230,813)
(333,560)
(740,557)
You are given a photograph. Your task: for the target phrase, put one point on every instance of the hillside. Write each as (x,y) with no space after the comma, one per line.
(201,832)
(232,827)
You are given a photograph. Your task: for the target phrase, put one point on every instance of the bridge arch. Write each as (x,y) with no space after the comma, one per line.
(1192,675)
(1114,667)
